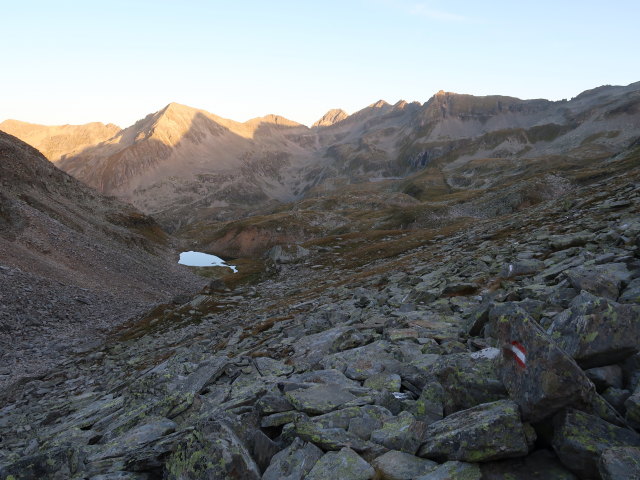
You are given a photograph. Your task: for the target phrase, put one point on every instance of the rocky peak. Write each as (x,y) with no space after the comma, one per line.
(332,117)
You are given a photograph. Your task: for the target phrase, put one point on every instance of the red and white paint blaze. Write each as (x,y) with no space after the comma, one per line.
(519,353)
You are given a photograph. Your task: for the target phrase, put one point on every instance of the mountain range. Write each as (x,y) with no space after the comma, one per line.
(189,168)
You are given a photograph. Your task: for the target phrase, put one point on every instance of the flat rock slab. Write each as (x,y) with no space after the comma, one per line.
(580,439)
(486,432)
(395,465)
(596,331)
(294,462)
(620,463)
(362,362)
(549,379)
(319,399)
(344,465)
(135,438)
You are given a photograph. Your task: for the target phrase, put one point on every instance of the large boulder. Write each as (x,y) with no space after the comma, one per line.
(486,432)
(601,280)
(468,379)
(294,462)
(395,465)
(620,463)
(539,376)
(596,331)
(402,433)
(213,450)
(320,398)
(579,440)
(345,465)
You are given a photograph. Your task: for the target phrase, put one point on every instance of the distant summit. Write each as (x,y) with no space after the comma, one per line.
(332,117)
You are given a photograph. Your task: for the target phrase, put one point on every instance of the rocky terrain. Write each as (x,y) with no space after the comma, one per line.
(502,346)
(72,264)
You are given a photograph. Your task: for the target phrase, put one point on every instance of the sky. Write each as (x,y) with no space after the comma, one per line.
(80,61)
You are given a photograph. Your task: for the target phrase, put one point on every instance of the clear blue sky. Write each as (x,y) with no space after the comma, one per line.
(80,61)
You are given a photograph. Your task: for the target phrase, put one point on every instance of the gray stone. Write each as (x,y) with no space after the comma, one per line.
(600,280)
(561,242)
(136,437)
(605,377)
(362,362)
(395,465)
(540,465)
(550,379)
(454,470)
(320,399)
(631,294)
(596,331)
(334,438)
(522,267)
(268,366)
(632,406)
(616,398)
(294,462)
(402,433)
(345,465)
(214,450)
(384,381)
(486,432)
(620,463)
(429,407)
(579,440)
(205,374)
(468,379)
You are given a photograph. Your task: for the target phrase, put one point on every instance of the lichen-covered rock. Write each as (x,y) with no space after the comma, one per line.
(134,438)
(486,432)
(468,379)
(319,399)
(631,294)
(395,465)
(429,406)
(402,433)
(212,451)
(596,331)
(549,379)
(334,438)
(268,366)
(620,463)
(600,280)
(310,350)
(579,439)
(454,470)
(294,462)
(540,465)
(345,465)
(384,381)
(362,362)
(632,406)
(56,464)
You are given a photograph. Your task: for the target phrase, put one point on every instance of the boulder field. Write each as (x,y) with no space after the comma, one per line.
(508,349)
